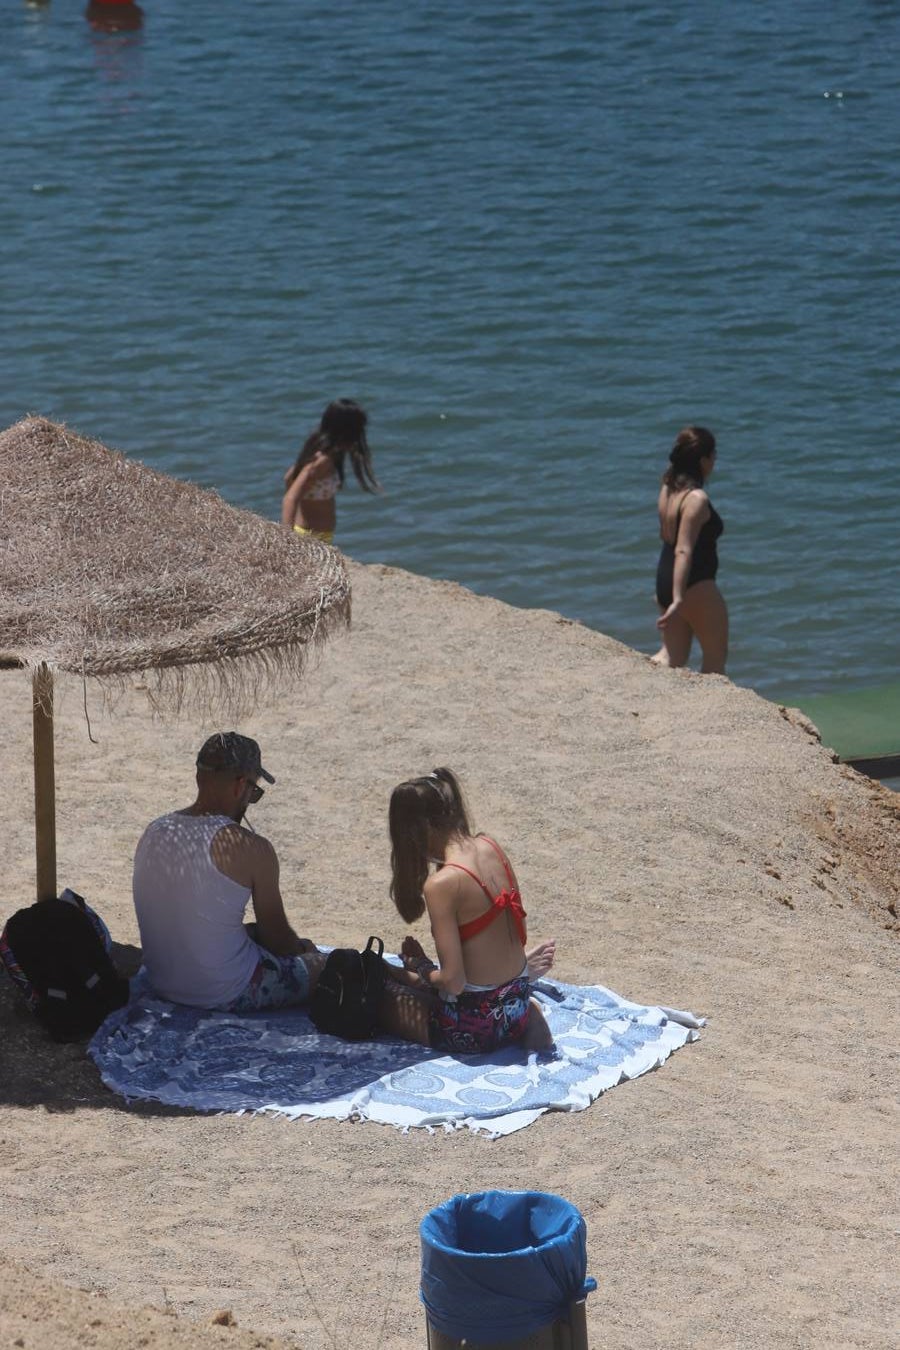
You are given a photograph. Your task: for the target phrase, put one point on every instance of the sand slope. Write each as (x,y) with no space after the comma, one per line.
(683,840)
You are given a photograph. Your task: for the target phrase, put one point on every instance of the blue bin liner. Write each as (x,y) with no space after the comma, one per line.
(497,1265)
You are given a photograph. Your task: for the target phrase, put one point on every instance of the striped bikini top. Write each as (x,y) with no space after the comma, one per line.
(507,899)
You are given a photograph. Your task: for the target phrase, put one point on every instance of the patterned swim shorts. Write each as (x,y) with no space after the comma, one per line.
(277,982)
(481,1021)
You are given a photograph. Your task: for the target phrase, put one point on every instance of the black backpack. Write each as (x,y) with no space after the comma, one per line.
(345,1000)
(55,953)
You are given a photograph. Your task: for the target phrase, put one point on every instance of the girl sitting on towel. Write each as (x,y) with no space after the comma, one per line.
(477,997)
(311,483)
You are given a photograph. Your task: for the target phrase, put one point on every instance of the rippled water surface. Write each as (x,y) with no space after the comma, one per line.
(533,239)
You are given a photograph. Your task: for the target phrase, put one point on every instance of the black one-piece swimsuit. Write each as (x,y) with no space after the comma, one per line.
(704,561)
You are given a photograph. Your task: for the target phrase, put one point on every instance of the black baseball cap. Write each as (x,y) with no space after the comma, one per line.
(229,750)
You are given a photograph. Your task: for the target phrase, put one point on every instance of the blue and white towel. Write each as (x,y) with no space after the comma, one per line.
(277,1062)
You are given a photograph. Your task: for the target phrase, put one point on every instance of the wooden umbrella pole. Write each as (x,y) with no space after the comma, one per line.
(44,783)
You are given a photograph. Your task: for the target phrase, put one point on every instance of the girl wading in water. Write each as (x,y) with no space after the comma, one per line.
(310,484)
(690,602)
(477,996)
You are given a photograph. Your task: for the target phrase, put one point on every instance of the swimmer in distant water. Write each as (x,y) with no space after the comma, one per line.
(311,483)
(691,603)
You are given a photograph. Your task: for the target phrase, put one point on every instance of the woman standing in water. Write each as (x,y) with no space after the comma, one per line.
(690,602)
(477,996)
(311,483)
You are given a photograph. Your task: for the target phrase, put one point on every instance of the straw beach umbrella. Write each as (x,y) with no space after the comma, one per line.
(108,568)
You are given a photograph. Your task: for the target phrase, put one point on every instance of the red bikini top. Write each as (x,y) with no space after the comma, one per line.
(509,898)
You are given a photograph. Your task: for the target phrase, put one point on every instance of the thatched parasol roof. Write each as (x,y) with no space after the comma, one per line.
(107,567)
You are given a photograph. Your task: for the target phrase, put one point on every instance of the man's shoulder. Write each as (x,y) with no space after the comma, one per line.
(242,855)
(169,823)
(160,825)
(186,829)
(244,838)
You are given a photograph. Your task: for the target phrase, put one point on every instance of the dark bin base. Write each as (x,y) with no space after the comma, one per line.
(560,1335)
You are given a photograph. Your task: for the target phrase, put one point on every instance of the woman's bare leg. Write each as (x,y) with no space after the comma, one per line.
(676,642)
(403,1012)
(705,610)
(538,1035)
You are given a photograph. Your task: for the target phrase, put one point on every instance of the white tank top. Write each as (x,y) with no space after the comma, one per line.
(191,916)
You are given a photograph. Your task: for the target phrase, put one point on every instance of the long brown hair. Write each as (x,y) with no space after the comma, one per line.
(341,431)
(691,445)
(434,802)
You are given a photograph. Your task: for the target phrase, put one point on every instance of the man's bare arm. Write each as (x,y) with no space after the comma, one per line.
(273,931)
(251,861)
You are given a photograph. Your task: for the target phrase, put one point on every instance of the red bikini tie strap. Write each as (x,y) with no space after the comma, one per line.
(512,901)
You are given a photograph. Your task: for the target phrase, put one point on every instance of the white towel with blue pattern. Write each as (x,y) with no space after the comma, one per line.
(277,1062)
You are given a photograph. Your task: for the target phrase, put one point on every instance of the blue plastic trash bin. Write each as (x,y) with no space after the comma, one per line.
(505,1270)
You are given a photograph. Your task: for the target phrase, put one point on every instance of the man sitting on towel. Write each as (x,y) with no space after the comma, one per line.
(194,872)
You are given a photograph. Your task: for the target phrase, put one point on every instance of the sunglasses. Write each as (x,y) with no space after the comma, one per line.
(256,793)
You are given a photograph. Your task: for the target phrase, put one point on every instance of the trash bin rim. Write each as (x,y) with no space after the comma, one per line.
(574,1221)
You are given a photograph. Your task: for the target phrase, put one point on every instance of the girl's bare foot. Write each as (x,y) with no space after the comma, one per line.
(540,959)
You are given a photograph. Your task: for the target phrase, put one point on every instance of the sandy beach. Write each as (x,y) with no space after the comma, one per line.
(685,841)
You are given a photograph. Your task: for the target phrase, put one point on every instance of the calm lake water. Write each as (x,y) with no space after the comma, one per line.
(534,240)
